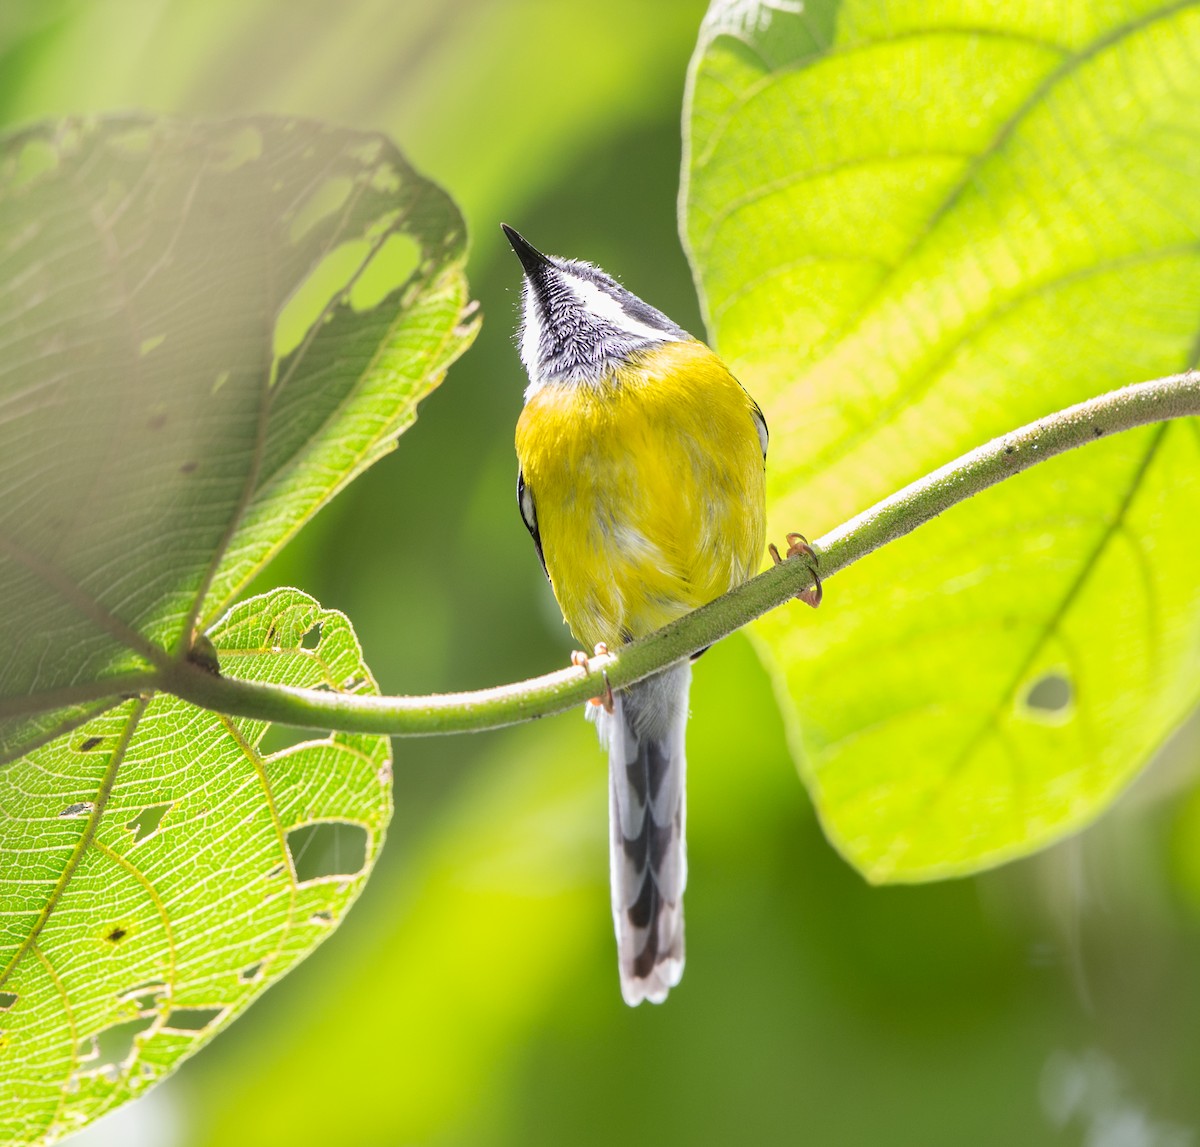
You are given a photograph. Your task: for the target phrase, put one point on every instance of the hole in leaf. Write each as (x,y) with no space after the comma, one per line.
(274,872)
(250,973)
(35,159)
(149,988)
(114,1045)
(323,917)
(117,934)
(1050,693)
(277,738)
(146,821)
(316,296)
(390,268)
(312,638)
(90,744)
(385,178)
(366,152)
(192,1019)
(243,146)
(7,999)
(80,808)
(135,141)
(327,848)
(331,196)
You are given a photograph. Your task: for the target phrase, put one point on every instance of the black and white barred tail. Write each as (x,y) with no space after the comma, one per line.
(644,735)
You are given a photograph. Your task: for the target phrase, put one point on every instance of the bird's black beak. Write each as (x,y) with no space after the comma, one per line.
(535,263)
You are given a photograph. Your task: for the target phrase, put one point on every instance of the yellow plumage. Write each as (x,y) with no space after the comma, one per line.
(641,483)
(649,490)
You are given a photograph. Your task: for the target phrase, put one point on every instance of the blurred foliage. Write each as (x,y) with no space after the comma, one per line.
(917,228)
(471,996)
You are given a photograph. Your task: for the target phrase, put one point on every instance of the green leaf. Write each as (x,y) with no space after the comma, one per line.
(496,929)
(161,868)
(207,331)
(519,855)
(916,227)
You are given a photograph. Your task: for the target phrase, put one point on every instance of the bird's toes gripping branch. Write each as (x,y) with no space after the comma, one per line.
(798,547)
(580,660)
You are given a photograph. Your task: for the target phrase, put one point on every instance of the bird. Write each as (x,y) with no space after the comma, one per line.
(641,479)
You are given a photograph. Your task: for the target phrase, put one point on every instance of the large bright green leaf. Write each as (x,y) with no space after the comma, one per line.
(914,227)
(160,869)
(206,331)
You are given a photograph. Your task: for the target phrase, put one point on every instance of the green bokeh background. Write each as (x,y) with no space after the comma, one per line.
(471,996)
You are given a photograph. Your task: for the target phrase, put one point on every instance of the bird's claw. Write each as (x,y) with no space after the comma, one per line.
(580,660)
(798,547)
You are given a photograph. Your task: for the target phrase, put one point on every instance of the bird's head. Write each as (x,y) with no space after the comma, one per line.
(578,322)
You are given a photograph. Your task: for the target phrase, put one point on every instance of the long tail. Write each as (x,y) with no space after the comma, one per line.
(644,735)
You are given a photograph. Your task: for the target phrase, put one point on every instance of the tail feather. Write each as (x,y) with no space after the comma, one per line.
(644,735)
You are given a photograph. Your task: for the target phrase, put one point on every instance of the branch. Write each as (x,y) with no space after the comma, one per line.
(895,516)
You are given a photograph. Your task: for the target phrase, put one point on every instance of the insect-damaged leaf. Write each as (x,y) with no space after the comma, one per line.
(161,870)
(207,330)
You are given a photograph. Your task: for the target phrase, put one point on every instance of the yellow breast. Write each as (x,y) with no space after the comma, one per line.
(648,489)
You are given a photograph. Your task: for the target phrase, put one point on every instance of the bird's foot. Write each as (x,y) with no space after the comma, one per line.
(581,659)
(798,547)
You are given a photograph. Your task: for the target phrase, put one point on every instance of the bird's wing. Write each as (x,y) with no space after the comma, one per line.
(760,424)
(529,516)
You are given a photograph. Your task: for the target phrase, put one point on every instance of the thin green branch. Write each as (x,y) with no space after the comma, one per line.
(895,516)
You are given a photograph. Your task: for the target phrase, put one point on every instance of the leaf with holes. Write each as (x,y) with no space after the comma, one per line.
(915,227)
(161,868)
(207,331)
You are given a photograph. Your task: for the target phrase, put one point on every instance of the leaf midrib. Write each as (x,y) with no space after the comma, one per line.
(1001,137)
(828,52)
(887,414)
(103,793)
(884,867)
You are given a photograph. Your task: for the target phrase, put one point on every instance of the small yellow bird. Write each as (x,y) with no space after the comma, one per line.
(642,482)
